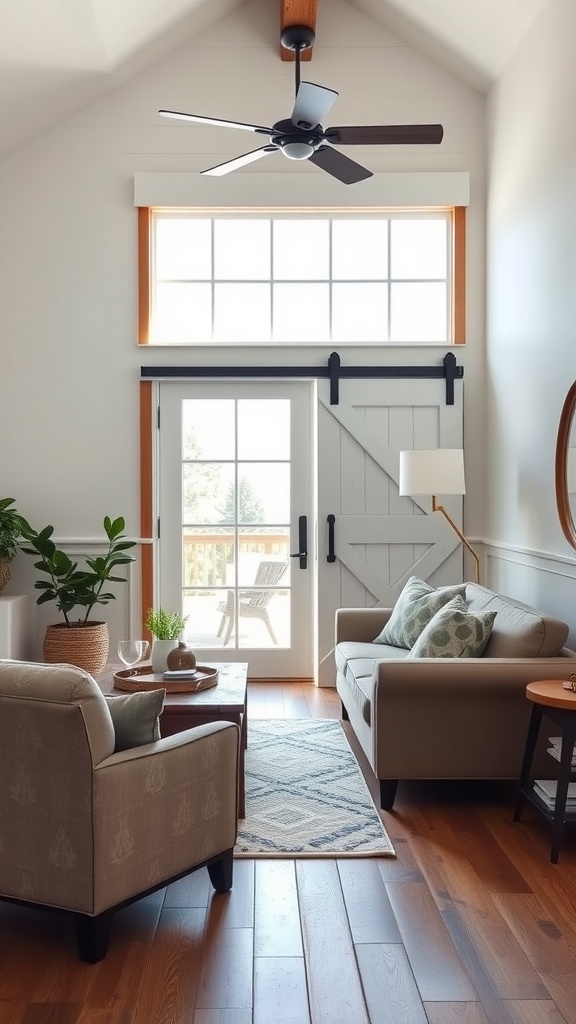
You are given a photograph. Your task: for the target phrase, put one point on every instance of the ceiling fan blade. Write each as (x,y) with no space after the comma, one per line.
(239,161)
(312,104)
(215,121)
(339,166)
(385,135)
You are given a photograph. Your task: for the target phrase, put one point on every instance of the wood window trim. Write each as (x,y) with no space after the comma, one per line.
(459,277)
(458,312)
(144,272)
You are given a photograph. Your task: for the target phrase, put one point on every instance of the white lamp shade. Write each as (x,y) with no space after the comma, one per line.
(432,471)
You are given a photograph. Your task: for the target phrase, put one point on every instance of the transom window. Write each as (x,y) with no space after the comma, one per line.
(296,278)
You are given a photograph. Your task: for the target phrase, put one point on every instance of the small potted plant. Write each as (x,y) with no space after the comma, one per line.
(166,628)
(83,642)
(12,525)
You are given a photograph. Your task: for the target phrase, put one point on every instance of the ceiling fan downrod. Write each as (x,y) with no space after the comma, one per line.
(297,38)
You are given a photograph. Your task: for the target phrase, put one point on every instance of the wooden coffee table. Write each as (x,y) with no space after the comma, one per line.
(225,702)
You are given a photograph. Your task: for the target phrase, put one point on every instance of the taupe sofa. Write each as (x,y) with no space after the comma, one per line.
(448,718)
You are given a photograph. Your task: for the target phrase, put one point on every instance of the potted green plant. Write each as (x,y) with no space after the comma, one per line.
(12,525)
(166,628)
(81,641)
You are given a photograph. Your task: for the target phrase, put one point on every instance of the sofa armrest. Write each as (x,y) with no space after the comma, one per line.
(361,624)
(161,808)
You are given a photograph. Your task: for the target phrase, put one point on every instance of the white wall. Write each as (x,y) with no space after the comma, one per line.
(68,295)
(532,307)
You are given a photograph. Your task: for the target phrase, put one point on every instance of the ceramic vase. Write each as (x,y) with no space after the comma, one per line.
(160,651)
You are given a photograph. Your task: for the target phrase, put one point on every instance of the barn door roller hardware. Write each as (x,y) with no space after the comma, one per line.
(334,371)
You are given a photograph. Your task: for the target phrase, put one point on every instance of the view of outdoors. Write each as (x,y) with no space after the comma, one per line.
(236,521)
(375,278)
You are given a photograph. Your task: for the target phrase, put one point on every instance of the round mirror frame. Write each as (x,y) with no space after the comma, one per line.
(562,445)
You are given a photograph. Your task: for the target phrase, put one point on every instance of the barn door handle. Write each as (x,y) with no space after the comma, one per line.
(302,552)
(331,556)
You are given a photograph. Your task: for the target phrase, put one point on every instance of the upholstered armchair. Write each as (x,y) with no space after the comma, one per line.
(86,829)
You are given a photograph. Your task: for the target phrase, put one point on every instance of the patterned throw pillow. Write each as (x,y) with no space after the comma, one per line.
(416,605)
(135,717)
(454,632)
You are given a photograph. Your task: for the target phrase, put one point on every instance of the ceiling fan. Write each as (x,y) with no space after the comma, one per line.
(302,137)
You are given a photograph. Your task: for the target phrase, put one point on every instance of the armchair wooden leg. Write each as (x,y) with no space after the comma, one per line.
(388,789)
(345,715)
(221,871)
(92,934)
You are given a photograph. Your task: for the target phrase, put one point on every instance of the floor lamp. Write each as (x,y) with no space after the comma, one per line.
(436,471)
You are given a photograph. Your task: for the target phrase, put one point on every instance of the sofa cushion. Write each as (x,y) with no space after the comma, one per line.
(135,717)
(416,605)
(454,632)
(519,631)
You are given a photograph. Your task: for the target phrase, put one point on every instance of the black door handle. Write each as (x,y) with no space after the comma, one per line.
(331,556)
(302,552)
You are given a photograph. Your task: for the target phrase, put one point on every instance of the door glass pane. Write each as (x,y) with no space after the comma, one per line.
(208,492)
(208,429)
(264,490)
(264,428)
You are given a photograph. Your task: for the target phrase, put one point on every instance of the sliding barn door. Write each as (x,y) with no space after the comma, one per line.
(379,538)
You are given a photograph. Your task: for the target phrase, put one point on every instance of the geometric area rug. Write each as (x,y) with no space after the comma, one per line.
(305,794)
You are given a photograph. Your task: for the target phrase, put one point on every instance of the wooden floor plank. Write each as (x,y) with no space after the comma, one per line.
(391,993)
(433,958)
(116,980)
(455,1013)
(295,704)
(277,930)
(280,994)
(334,987)
(169,985)
(233,1016)
(545,945)
(226,974)
(370,916)
(495,953)
(191,891)
(537,1011)
(235,909)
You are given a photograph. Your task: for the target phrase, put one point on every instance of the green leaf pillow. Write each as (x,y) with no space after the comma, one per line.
(136,717)
(416,605)
(454,632)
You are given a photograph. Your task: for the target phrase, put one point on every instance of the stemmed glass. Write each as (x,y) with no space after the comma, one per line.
(131,652)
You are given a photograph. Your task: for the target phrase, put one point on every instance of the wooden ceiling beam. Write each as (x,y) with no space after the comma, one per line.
(297,12)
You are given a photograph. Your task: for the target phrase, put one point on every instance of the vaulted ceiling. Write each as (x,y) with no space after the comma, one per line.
(57,57)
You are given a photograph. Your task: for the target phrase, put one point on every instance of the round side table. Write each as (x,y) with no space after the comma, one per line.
(550,700)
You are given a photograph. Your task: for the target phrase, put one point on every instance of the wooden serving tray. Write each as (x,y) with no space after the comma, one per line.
(142,678)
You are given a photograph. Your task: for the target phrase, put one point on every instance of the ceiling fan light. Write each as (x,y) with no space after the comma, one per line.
(297,150)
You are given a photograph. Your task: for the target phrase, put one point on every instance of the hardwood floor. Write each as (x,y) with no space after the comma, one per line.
(469,924)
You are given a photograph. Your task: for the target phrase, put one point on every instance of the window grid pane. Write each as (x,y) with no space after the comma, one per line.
(364,279)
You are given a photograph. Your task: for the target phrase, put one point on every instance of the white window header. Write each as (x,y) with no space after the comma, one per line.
(302,189)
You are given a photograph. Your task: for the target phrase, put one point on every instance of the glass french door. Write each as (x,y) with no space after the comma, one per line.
(236,522)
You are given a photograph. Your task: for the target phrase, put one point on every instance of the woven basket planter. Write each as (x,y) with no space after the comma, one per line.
(4,572)
(83,646)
